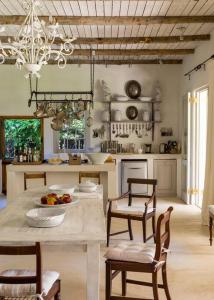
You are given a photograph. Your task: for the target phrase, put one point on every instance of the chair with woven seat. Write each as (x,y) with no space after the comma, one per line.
(15,284)
(130,211)
(34,176)
(90,175)
(140,258)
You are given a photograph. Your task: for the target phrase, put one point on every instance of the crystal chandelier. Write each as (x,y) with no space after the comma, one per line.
(33,46)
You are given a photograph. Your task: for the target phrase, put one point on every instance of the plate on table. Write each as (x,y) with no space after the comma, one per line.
(87,187)
(61,189)
(37,201)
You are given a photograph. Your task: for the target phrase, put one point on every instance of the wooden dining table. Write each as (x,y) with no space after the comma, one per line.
(83,225)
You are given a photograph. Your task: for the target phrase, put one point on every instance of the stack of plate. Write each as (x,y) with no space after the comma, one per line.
(61,189)
(122,98)
(144,98)
(87,187)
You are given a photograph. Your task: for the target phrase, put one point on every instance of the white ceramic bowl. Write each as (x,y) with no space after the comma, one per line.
(45,217)
(87,187)
(122,98)
(61,189)
(144,98)
(97,158)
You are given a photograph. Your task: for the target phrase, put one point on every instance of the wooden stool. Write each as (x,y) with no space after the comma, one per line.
(211,217)
(34,176)
(94,175)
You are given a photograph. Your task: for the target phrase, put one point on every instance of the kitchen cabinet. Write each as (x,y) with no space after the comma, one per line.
(165,171)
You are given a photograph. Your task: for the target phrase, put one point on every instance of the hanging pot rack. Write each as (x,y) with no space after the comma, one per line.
(40,97)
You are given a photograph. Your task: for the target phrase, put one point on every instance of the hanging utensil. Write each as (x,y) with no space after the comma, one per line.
(89,121)
(113,129)
(40,111)
(56,124)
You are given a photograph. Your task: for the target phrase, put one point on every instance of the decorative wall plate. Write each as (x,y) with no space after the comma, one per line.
(133,89)
(131,112)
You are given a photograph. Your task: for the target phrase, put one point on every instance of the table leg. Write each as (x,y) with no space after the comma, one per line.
(93,271)
(211,229)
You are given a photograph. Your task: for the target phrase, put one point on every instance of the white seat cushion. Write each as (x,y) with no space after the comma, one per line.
(22,290)
(135,209)
(211,208)
(131,251)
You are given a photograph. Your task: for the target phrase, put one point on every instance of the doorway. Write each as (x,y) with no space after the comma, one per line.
(201,142)
(194,146)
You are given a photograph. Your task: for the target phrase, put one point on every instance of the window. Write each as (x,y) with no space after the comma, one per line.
(72,136)
(20,132)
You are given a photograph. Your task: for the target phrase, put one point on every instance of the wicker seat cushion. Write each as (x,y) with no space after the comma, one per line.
(23,290)
(132,251)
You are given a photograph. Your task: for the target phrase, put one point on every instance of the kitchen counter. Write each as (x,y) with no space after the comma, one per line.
(146,156)
(60,174)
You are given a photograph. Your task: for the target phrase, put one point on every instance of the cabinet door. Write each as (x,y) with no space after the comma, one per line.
(165,171)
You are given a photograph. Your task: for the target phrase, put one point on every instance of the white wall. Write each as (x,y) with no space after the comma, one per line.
(199,78)
(14,91)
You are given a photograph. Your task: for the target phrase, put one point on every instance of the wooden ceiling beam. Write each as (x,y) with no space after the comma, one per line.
(112,62)
(130,40)
(146,40)
(134,52)
(148,20)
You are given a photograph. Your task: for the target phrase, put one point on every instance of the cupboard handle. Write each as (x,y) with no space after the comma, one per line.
(135,168)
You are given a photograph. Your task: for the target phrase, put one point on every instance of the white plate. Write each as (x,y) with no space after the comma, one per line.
(121,98)
(61,189)
(37,201)
(144,98)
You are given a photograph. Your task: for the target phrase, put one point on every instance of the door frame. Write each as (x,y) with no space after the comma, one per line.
(192,163)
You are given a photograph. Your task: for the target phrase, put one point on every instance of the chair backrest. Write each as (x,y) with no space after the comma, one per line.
(24,250)
(95,175)
(141,181)
(34,176)
(163,233)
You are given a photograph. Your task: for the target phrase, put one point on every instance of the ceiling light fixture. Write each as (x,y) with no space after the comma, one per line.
(33,45)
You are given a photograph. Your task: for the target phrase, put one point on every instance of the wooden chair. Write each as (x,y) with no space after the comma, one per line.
(142,212)
(211,217)
(140,258)
(34,176)
(94,175)
(46,285)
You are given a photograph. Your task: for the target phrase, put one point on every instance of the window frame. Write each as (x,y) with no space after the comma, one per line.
(2,135)
(56,141)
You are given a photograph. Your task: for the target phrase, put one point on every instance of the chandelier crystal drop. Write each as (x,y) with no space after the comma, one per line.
(35,43)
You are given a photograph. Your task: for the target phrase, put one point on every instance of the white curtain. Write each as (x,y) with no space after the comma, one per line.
(208,197)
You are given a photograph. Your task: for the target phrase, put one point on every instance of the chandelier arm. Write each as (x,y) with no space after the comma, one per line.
(17,51)
(32,46)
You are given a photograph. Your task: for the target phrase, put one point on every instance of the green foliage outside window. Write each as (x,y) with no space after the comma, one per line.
(73,135)
(21,133)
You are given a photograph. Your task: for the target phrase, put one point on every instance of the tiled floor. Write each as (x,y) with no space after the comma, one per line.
(190,263)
